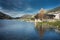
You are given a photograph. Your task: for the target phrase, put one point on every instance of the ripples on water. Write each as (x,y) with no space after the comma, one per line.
(18,30)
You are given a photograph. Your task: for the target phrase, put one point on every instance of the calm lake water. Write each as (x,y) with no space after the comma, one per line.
(18,30)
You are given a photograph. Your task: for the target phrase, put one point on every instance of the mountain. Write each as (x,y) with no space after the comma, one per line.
(27,16)
(4,16)
(54,9)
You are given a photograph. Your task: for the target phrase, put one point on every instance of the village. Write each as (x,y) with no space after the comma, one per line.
(44,20)
(44,16)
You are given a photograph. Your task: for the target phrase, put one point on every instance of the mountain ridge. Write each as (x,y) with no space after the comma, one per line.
(4,16)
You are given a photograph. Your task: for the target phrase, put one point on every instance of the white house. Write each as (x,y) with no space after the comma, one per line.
(57,16)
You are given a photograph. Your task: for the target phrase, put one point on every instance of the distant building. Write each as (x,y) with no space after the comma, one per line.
(40,14)
(57,14)
(49,16)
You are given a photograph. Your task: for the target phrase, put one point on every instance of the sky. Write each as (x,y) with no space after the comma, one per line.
(19,7)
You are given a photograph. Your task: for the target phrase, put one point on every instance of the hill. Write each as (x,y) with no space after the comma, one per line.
(54,9)
(27,16)
(4,16)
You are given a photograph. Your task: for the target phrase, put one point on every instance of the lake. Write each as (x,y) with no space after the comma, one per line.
(18,30)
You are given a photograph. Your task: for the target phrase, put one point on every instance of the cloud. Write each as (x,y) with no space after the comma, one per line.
(20,13)
(14,4)
(15,7)
(19,7)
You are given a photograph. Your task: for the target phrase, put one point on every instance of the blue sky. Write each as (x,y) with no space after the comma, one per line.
(20,7)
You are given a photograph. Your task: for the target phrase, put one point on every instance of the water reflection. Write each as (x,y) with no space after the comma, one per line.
(17,30)
(47,33)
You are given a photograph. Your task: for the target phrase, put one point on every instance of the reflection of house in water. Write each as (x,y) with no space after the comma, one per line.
(40,17)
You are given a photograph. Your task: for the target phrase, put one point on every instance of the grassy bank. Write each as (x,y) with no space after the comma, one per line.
(56,23)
